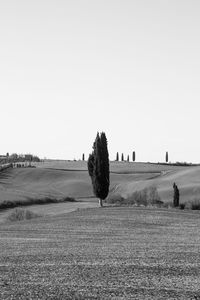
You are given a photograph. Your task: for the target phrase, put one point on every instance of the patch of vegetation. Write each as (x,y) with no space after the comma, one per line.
(182,206)
(31,201)
(192,204)
(19,214)
(146,197)
(168,204)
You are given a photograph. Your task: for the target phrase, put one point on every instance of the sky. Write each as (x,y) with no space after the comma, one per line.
(71,68)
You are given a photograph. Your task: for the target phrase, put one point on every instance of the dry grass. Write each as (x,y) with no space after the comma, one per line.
(109,253)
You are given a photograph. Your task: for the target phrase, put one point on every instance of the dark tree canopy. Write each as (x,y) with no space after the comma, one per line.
(176,195)
(83,156)
(122,158)
(98,167)
(166,157)
(128,158)
(117,156)
(133,158)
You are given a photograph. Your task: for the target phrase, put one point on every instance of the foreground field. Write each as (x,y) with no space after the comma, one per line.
(109,253)
(58,179)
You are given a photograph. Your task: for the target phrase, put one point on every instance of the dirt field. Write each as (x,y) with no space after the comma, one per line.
(109,253)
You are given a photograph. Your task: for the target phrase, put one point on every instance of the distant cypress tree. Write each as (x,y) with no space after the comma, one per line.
(166,157)
(133,156)
(128,158)
(122,158)
(117,156)
(83,157)
(98,167)
(176,195)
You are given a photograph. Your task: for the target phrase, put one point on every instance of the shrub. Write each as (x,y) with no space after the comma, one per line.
(19,214)
(168,205)
(182,206)
(193,204)
(147,196)
(115,199)
(153,196)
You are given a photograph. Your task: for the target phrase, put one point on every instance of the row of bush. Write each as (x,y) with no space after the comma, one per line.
(149,197)
(31,201)
(193,205)
(17,165)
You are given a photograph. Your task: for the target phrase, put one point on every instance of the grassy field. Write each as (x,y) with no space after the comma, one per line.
(109,253)
(58,179)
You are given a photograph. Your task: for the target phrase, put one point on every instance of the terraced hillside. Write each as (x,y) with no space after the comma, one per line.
(62,178)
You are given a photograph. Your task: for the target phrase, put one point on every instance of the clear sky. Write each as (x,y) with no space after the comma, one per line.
(70,68)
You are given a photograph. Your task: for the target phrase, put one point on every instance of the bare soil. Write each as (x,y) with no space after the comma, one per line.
(108,253)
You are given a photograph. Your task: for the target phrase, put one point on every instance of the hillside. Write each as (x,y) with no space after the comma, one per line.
(187,179)
(62,178)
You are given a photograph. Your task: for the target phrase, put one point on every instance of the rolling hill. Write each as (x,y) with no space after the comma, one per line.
(187,179)
(62,178)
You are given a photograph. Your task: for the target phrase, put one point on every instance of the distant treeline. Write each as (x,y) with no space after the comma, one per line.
(178,163)
(18,158)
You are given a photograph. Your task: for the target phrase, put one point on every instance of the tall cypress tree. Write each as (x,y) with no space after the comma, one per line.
(122,158)
(117,156)
(133,156)
(166,157)
(176,195)
(98,167)
(83,157)
(128,158)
